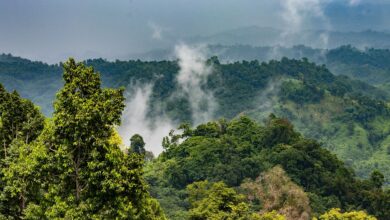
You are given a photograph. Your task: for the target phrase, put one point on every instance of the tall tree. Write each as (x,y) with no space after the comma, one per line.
(89,177)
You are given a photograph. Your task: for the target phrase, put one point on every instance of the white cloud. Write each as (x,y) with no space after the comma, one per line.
(301,15)
(192,77)
(136,121)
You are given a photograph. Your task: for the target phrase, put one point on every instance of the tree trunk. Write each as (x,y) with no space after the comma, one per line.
(22,204)
(77,175)
(5,149)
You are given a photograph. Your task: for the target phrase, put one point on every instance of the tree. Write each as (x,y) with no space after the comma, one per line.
(137,144)
(20,124)
(271,216)
(335,214)
(19,118)
(377,179)
(21,178)
(89,177)
(243,149)
(274,190)
(83,117)
(217,201)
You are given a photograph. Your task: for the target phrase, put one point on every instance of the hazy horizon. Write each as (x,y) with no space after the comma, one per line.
(51,31)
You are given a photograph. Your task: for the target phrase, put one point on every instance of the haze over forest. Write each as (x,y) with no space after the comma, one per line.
(182,109)
(92,29)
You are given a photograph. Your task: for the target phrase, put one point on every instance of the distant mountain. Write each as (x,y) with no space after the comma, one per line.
(36,81)
(267,36)
(368,65)
(252,35)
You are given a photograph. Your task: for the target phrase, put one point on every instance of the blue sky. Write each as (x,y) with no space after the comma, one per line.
(51,30)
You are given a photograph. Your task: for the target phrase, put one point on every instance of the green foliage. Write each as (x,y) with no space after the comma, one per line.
(19,118)
(22,177)
(335,214)
(80,106)
(239,149)
(217,201)
(75,169)
(334,109)
(20,124)
(370,65)
(172,200)
(88,176)
(300,92)
(377,179)
(272,216)
(224,156)
(76,161)
(36,81)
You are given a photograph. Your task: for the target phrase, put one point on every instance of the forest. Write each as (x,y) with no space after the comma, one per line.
(350,117)
(195,110)
(240,166)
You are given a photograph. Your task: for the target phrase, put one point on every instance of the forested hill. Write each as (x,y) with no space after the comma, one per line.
(350,117)
(271,164)
(38,81)
(369,65)
(67,167)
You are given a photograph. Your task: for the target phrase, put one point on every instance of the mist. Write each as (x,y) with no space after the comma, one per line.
(136,121)
(297,16)
(51,31)
(192,78)
(267,98)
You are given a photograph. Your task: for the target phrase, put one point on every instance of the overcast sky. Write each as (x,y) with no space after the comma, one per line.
(51,30)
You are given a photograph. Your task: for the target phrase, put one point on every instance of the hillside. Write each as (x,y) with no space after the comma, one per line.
(350,117)
(369,65)
(195,110)
(39,81)
(239,151)
(36,81)
(66,167)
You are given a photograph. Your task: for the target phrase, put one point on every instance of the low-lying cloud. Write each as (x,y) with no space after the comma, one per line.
(136,121)
(267,99)
(192,79)
(301,15)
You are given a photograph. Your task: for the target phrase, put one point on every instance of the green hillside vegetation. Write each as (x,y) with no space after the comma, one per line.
(66,167)
(39,82)
(350,117)
(35,81)
(294,176)
(370,65)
